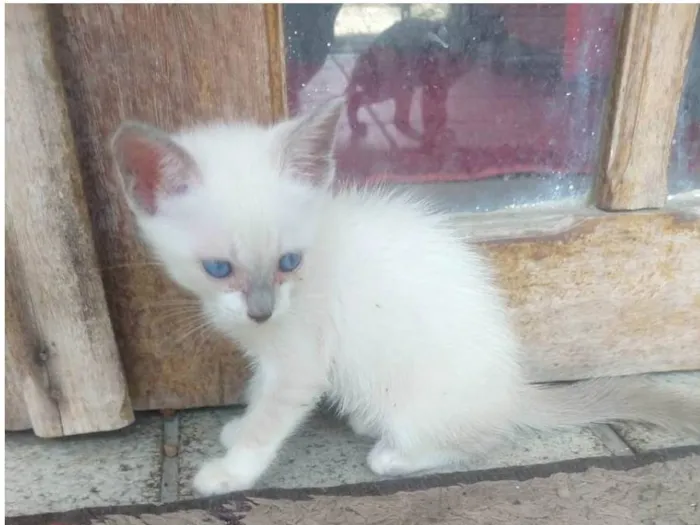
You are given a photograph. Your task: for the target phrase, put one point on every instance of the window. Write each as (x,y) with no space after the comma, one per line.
(482,107)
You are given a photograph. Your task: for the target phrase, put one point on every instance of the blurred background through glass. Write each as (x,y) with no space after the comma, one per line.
(483,106)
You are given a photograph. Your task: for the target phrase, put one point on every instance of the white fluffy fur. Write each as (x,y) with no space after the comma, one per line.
(391,315)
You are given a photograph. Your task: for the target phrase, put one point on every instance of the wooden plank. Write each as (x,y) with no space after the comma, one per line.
(17,345)
(63,353)
(171,65)
(654,48)
(274,24)
(32,402)
(596,294)
(16,415)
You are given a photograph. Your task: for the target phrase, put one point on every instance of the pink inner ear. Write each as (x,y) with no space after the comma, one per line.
(154,168)
(144,160)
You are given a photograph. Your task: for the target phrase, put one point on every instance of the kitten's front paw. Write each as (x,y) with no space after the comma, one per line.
(227,438)
(384,460)
(214,478)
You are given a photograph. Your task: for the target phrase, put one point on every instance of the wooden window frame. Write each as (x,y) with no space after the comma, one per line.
(613,288)
(653,54)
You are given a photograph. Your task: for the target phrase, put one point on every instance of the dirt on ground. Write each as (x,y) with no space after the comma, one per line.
(660,493)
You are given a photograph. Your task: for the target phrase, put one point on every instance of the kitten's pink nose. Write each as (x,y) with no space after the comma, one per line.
(260,317)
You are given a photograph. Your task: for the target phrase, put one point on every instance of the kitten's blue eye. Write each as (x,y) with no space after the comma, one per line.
(217,268)
(289,262)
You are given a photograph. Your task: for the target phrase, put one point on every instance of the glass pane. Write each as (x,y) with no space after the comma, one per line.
(684,172)
(480,106)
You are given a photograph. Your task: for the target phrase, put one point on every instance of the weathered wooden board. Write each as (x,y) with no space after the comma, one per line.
(653,54)
(597,294)
(274,24)
(31,401)
(17,347)
(171,65)
(61,350)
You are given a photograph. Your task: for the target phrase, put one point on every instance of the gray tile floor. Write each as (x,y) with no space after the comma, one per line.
(43,475)
(154,460)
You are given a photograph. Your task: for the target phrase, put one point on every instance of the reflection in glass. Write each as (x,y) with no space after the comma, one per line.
(684,171)
(465,94)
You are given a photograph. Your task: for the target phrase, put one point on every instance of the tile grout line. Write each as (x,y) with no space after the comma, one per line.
(170,466)
(629,444)
(612,441)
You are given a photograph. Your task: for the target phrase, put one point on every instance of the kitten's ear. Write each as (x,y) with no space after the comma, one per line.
(307,144)
(151,165)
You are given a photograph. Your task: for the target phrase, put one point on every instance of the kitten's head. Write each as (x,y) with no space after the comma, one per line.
(231,210)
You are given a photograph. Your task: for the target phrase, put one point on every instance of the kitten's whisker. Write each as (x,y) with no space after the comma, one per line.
(175,313)
(200,327)
(191,319)
(205,335)
(174,307)
(189,322)
(129,265)
(177,326)
(166,309)
(186,316)
(174,301)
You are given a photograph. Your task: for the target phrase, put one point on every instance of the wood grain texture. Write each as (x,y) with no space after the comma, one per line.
(63,353)
(653,54)
(16,415)
(18,346)
(274,24)
(32,402)
(172,66)
(595,294)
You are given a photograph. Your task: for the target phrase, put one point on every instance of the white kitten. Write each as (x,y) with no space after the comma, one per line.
(362,296)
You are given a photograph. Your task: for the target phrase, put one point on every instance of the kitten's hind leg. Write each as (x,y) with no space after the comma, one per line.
(386,459)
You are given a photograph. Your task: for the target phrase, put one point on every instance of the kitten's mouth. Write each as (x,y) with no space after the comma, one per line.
(261,302)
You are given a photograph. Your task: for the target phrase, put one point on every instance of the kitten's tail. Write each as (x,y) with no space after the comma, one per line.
(610,400)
